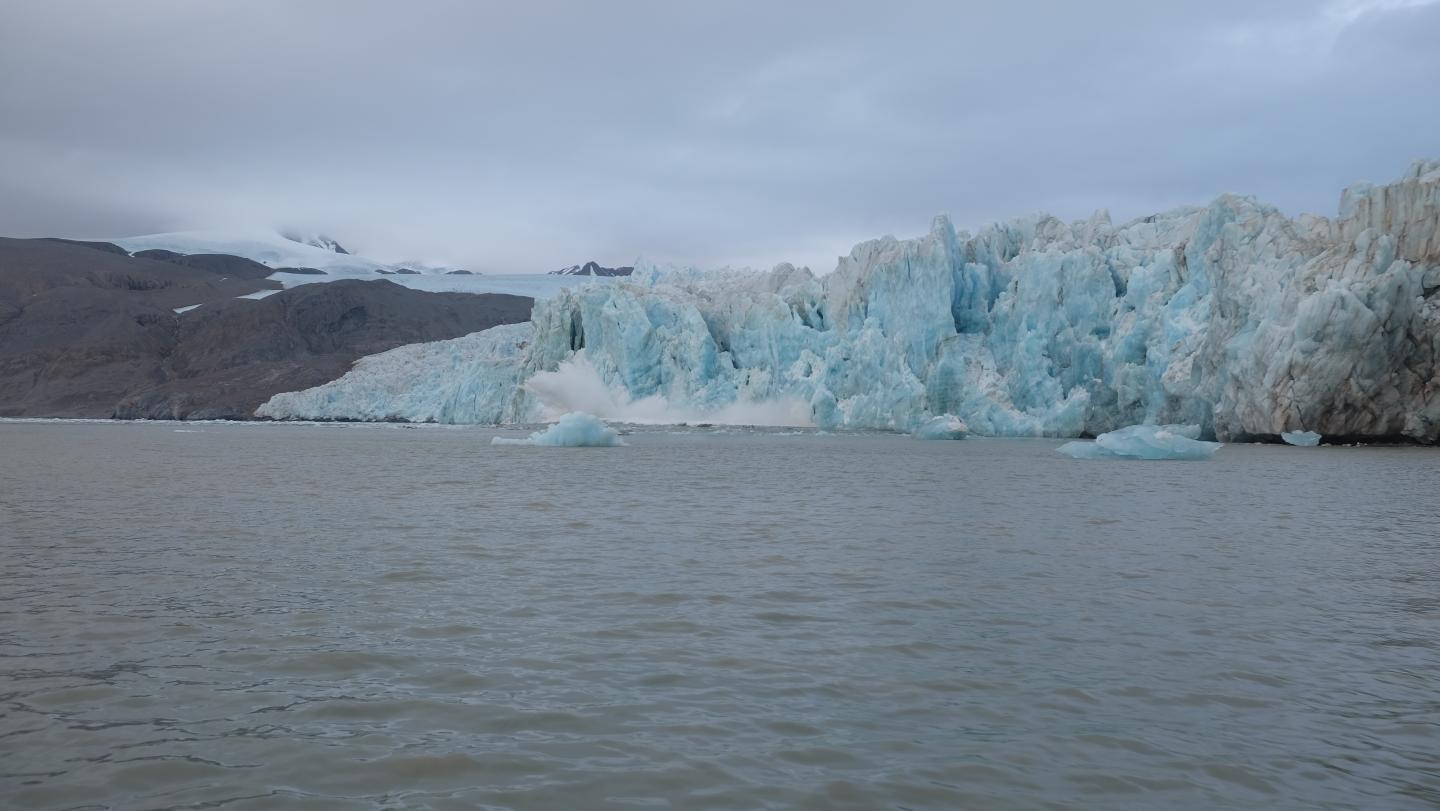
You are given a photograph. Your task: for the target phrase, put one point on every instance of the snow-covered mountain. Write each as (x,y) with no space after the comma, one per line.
(266,247)
(277,251)
(1231,316)
(320,241)
(592,269)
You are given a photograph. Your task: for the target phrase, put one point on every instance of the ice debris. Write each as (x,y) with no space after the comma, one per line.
(945,426)
(1302,439)
(574,430)
(1145,442)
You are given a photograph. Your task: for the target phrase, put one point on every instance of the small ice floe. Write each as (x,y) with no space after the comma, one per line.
(179,310)
(1144,442)
(574,430)
(945,426)
(1301,439)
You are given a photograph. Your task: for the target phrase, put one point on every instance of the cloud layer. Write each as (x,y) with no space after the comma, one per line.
(525,137)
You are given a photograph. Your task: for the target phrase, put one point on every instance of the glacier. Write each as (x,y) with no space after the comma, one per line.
(462,380)
(1149,442)
(1232,317)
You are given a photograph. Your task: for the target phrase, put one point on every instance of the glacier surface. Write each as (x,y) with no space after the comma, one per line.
(1233,317)
(574,430)
(1175,442)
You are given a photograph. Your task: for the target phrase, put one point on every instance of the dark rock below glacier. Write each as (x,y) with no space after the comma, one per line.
(88,332)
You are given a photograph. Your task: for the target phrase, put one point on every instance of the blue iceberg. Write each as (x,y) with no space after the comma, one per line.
(574,430)
(945,426)
(1145,442)
(1301,439)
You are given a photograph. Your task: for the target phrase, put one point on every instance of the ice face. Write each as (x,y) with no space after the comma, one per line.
(1144,442)
(1232,317)
(1303,439)
(945,426)
(574,430)
(471,379)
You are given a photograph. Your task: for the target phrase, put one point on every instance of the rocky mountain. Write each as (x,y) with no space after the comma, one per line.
(88,331)
(592,269)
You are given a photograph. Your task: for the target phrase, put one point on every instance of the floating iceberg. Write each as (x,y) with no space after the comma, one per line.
(945,426)
(1303,439)
(1232,316)
(574,430)
(1144,442)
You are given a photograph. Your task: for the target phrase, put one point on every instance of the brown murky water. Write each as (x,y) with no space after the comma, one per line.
(370,617)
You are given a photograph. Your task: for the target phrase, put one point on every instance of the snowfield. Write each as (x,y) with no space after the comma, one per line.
(273,250)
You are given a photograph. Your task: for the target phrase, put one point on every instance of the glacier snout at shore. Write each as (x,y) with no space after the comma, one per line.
(1232,316)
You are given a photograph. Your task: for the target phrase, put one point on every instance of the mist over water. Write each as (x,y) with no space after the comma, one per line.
(575,385)
(368,617)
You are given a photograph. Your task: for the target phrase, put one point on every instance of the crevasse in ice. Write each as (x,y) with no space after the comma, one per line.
(1233,317)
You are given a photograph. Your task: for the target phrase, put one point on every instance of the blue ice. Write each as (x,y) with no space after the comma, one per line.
(945,426)
(1145,442)
(574,430)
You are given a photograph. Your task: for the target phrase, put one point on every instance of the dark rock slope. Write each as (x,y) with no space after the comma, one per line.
(90,332)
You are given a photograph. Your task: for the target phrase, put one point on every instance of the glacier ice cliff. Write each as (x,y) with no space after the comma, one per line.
(1233,317)
(469,379)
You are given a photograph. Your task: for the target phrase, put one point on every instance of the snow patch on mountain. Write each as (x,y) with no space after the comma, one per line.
(593,269)
(320,241)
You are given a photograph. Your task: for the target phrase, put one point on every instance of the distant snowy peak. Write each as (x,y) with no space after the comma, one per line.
(266,247)
(320,241)
(592,269)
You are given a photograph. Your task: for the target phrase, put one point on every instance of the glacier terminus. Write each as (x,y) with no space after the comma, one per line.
(1232,317)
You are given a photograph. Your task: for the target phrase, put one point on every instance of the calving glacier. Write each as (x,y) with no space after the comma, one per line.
(1233,317)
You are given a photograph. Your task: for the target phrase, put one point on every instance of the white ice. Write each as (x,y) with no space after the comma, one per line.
(1144,442)
(945,426)
(574,430)
(471,379)
(273,250)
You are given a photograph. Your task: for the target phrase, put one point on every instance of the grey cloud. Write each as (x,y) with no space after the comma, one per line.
(530,136)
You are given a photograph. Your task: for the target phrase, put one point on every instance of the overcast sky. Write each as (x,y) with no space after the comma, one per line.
(529,135)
